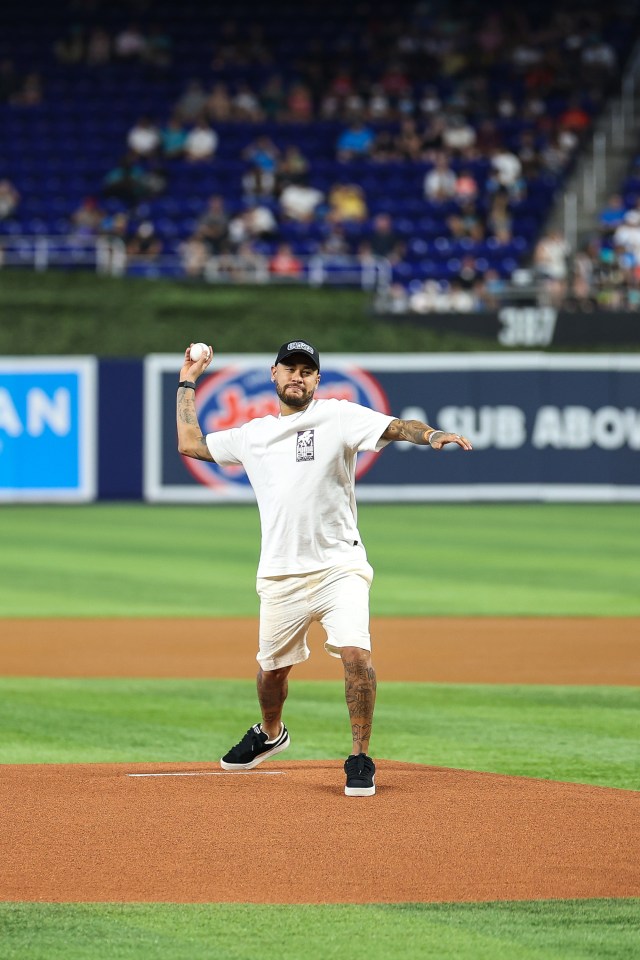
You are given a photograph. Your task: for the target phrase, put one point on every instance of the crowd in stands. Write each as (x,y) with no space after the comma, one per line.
(434,139)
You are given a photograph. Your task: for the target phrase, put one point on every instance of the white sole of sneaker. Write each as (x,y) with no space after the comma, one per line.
(254,763)
(360,791)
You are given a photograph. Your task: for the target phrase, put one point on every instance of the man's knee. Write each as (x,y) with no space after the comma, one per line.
(355,655)
(274,676)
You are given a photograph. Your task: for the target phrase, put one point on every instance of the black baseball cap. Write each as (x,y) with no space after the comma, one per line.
(298,346)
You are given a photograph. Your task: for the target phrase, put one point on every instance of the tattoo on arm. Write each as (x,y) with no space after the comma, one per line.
(412,430)
(189,430)
(186,409)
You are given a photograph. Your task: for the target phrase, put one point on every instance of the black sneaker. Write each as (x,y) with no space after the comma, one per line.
(254,748)
(360,770)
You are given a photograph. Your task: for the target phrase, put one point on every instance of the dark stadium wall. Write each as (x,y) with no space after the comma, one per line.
(120,429)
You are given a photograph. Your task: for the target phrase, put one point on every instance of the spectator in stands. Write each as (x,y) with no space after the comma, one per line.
(466,185)
(9,199)
(627,236)
(284,264)
(245,265)
(131,182)
(440,182)
(493,290)
(394,80)
(555,155)
(201,143)
(347,203)
(98,48)
(384,149)
(334,243)
(143,138)
(470,275)
(430,104)
(575,118)
(213,226)
(499,218)
(70,49)
(599,60)
(299,104)
(255,222)
(382,241)
(583,278)
(193,103)
(429,297)
(273,98)
(458,136)
(551,258)
(466,222)
(87,218)
(173,137)
(461,300)
(262,153)
(30,93)
(115,227)
(257,182)
(378,108)
(130,44)
(194,255)
(612,215)
(245,105)
(145,243)
(355,142)
(292,167)
(299,201)
(158,50)
(219,104)
(506,173)
(408,141)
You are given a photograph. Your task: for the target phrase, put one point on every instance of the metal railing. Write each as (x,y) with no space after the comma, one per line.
(109,256)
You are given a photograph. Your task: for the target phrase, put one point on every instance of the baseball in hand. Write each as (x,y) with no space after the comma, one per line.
(198,350)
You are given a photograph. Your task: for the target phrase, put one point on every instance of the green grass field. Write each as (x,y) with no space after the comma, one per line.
(129,560)
(478,560)
(583,734)
(547,930)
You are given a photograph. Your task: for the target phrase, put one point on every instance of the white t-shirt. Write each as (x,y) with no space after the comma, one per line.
(302,470)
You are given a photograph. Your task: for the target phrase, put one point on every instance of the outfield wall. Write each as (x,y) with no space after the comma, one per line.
(544,426)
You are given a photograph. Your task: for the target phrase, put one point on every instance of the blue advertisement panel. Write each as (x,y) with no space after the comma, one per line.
(543,427)
(47,429)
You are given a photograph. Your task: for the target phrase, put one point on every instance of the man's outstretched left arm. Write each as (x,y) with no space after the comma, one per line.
(414,431)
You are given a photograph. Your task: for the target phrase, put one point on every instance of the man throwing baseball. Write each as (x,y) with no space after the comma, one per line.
(313,565)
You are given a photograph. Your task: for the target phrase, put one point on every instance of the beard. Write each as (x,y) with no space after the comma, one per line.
(299,398)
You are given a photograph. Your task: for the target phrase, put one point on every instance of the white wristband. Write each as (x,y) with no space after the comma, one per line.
(432,435)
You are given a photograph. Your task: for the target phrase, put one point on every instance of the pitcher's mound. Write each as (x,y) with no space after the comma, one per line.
(285,833)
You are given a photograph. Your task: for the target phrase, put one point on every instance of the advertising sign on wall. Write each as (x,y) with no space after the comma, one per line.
(543,427)
(47,429)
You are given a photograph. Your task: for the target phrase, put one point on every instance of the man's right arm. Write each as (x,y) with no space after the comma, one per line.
(191,441)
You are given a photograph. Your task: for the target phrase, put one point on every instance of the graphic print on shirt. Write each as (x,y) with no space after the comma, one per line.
(304,445)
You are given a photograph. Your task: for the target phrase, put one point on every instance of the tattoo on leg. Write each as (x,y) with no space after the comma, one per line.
(360,692)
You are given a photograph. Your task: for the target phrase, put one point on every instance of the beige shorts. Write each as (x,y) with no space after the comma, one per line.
(338,598)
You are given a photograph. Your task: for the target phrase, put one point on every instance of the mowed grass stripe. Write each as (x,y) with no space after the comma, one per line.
(543,930)
(137,560)
(581,734)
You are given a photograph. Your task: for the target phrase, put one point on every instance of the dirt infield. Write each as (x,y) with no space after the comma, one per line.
(456,650)
(285,833)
